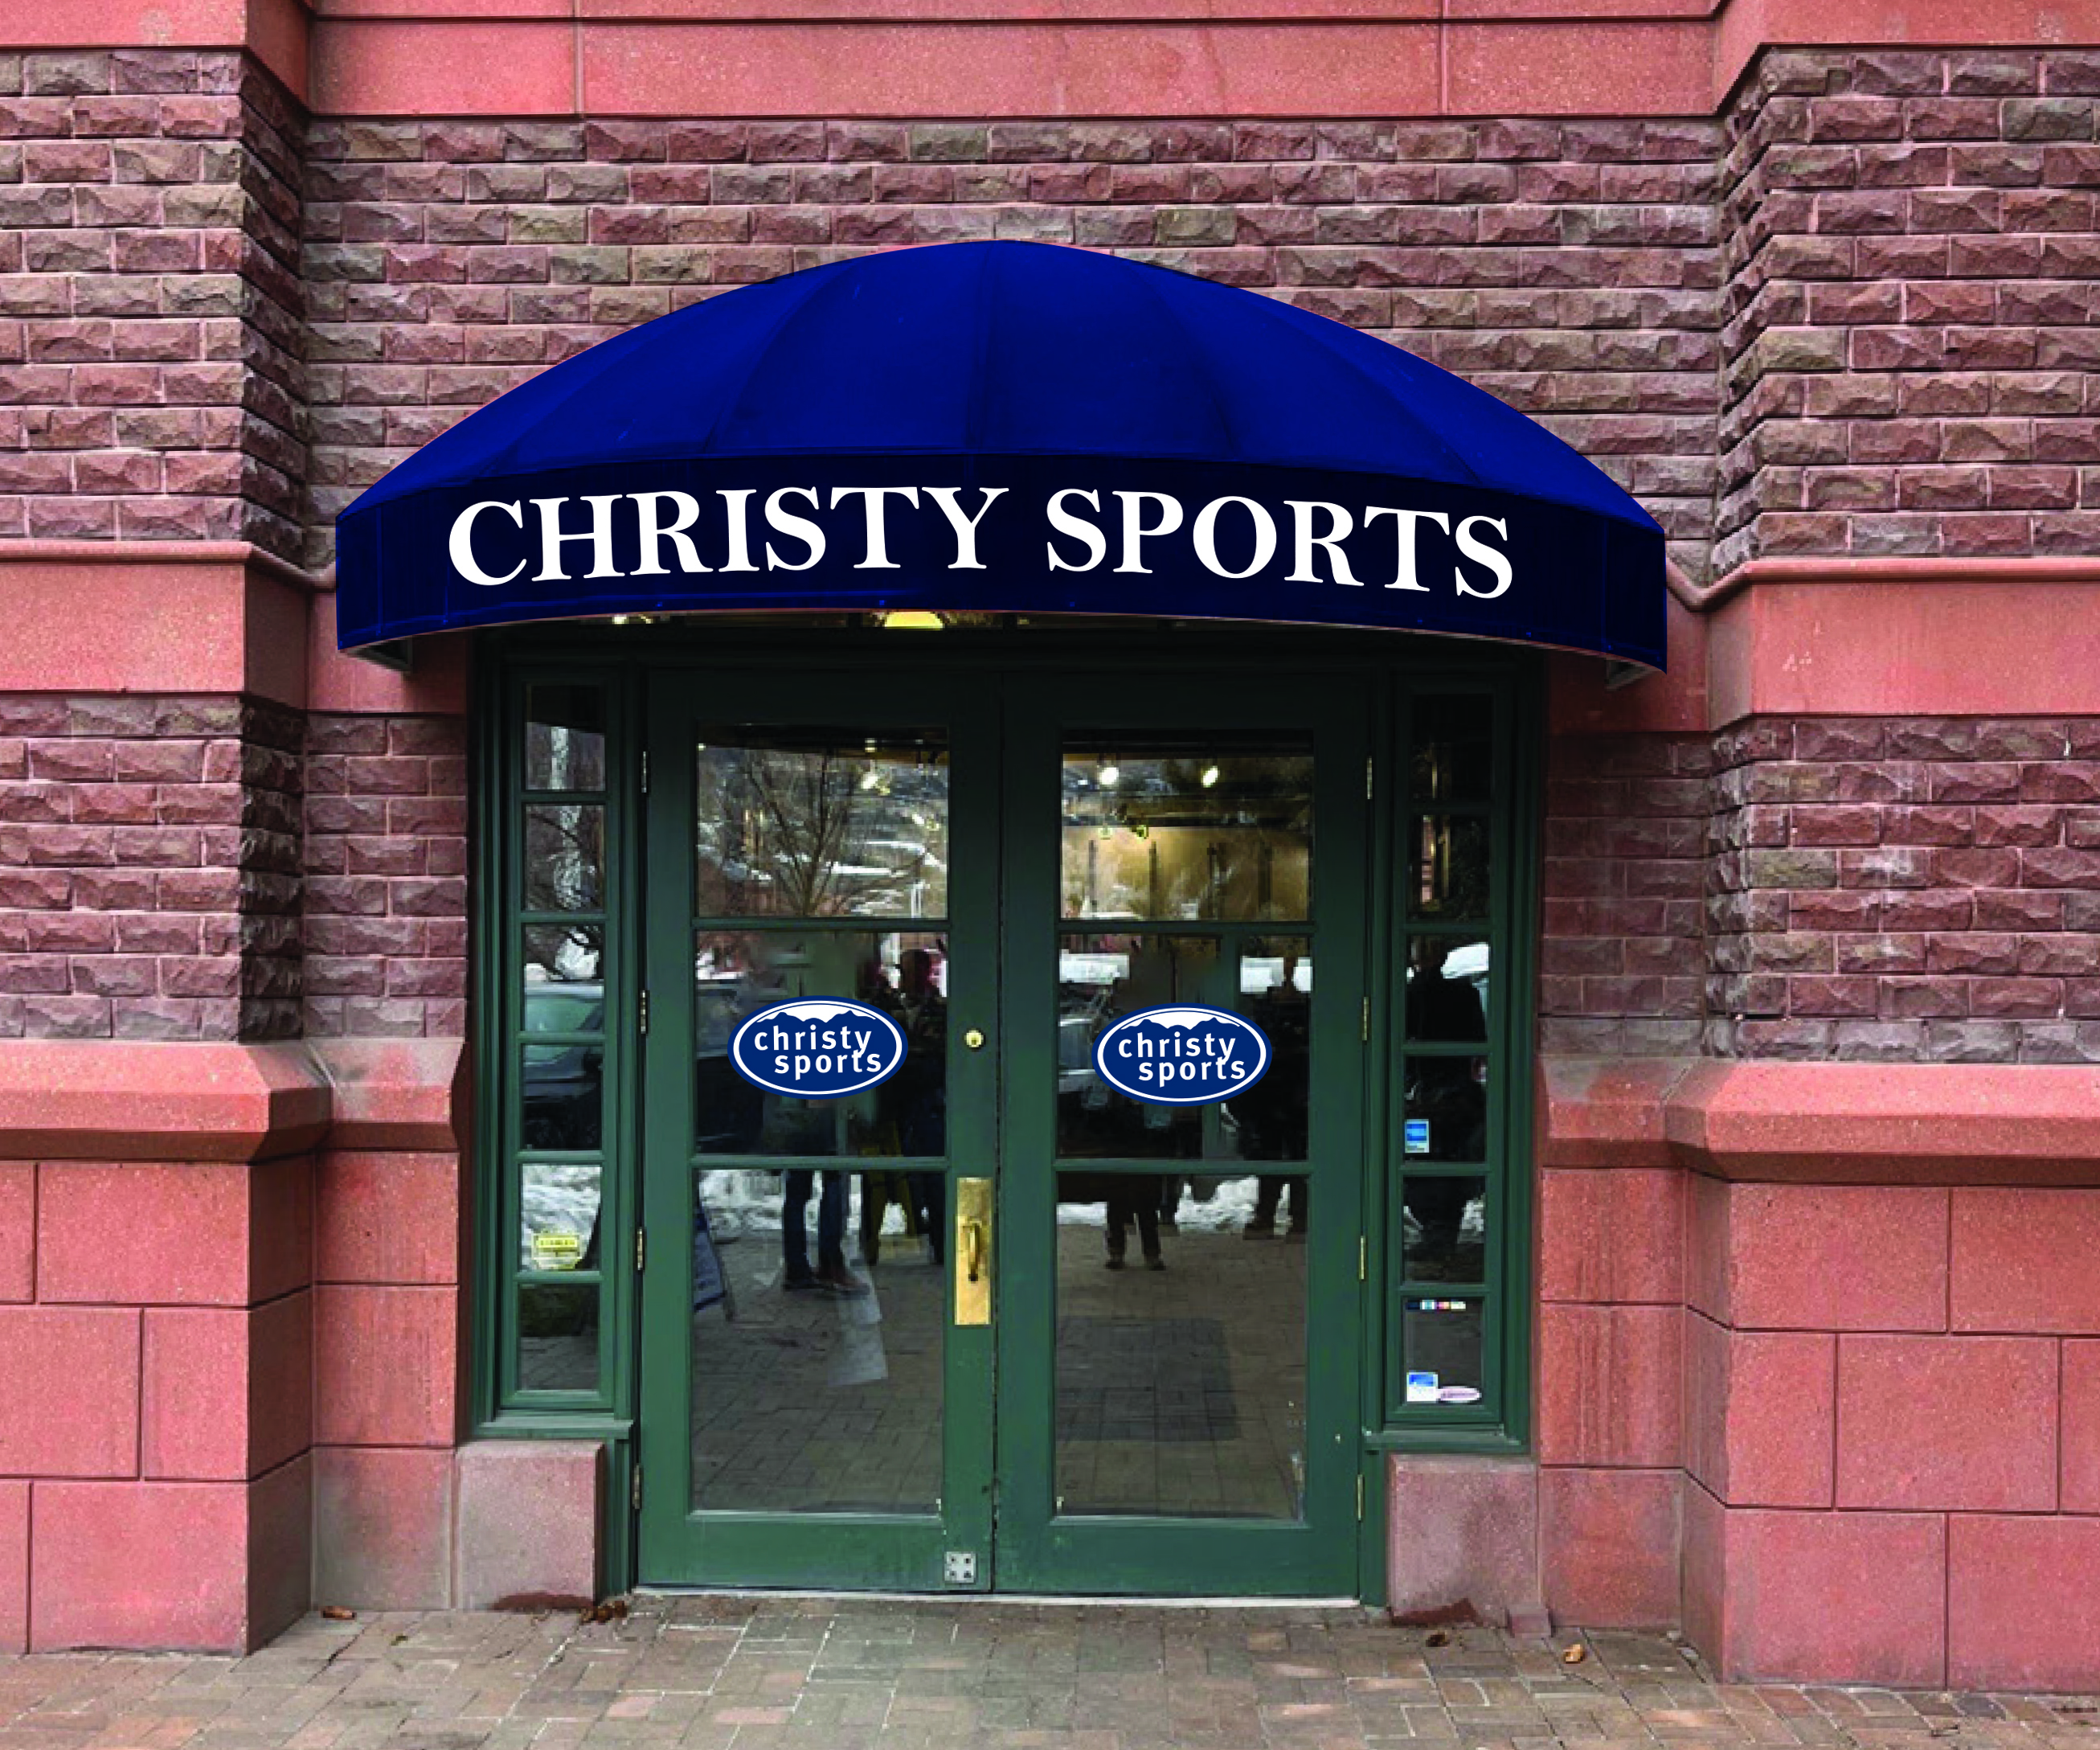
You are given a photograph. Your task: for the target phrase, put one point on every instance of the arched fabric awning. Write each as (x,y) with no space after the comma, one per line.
(1004,428)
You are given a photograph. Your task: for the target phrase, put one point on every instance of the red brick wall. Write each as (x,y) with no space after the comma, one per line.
(1567,266)
(151,338)
(386,891)
(1910,245)
(149,868)
(1906,890)
(1623,956)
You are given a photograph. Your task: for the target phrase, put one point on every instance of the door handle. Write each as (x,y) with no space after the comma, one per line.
(972,1252)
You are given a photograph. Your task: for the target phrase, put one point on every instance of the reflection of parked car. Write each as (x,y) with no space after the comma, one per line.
(1075,1054)
(563,1084)
(726,1109)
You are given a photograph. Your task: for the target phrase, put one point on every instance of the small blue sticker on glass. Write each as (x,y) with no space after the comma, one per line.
(1415,1139)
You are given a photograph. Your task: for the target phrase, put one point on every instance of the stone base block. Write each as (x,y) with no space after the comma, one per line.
(530,1514)
(1462,1539)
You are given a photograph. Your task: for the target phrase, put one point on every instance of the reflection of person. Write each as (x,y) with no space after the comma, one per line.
(1132,1197)
(914,1100)
(1275,1114)
(830,1275)
(1446,1091)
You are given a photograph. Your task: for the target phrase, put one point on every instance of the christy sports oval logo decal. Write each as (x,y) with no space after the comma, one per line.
(817,1048)
(1181,1055)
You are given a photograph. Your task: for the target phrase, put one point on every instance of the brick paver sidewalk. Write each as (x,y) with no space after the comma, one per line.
(773,1674)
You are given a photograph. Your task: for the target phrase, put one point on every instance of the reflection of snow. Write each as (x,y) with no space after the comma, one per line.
(1261,974)
(557,1199)
(1183,1017)
(745,1204)
(816,1011)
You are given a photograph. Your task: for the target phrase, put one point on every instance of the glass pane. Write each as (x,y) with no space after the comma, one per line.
(737,972)
(562,1088)
(1441,1339)
(822,823)
(561,983)
(565,857)
(1447,989)
(1453,748)
(1100,979)
(1189,827)
(1446,1116)
(1450,873)
(1180,1360)
(557,1217)
(564,738)
(557,1336)
(1444,1228)
(1269,1121)
(817,1374)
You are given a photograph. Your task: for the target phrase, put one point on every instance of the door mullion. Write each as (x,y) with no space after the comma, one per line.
(662,1169)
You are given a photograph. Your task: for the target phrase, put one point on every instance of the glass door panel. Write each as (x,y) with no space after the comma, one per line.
(1180,1351)
(1166,1423)
(814,1414)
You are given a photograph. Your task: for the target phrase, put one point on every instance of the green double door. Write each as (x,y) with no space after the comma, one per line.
(994,1324)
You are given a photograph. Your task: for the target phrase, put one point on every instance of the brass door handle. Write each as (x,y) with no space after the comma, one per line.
(972,1252)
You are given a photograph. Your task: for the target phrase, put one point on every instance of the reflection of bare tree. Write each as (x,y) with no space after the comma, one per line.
(816,833)
(564,871)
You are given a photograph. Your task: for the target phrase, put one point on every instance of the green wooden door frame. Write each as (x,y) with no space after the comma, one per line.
(824,671)
(677,1544)
(1039,1548)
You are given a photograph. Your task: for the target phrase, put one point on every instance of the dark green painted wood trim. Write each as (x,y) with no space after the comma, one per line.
(1040,1549)
(896,1551)
(1387,668)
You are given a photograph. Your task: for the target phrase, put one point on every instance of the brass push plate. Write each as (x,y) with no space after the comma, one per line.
(972,1252)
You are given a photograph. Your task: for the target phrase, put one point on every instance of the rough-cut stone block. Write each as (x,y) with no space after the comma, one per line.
(2022,1260)
(227,1394)
(1853,1597)
(2022,1602)
(1610,1385)
(1760,1411)
(1952,1423)
(14,1567)
(140,1565)
(531,1524)
(196,1233)
(1609,1546)
(385,1366)
(382,1527)
(69,1379)
(1818,1258)
(1461,1538)
(388,1218)
(2081,1411)
(18,1231)
(1614,1237)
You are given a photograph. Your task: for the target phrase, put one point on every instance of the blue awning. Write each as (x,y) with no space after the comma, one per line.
(1004,428)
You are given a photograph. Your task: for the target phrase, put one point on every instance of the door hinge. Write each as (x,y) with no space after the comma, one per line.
(1359,1495)
(641,1250)
(634,1492)
(1363,1257)
(645,771)
(1370,764)
(645,1012)
(1366,1023)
